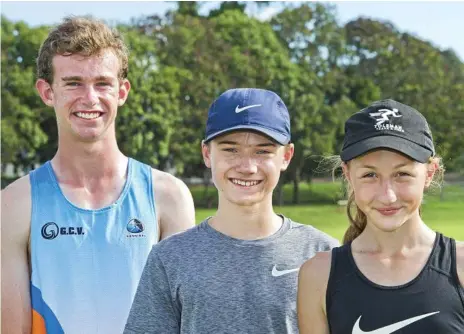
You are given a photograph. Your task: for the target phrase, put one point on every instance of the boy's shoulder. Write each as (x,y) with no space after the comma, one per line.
(317,237)
(182,245)
(180,240)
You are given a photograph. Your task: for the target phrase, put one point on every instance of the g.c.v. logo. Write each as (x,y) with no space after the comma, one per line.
(51,231)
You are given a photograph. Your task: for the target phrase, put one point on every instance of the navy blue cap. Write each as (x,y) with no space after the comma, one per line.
(388,124)
(249,109)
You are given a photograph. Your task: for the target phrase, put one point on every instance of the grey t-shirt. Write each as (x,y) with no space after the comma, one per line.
(202,281)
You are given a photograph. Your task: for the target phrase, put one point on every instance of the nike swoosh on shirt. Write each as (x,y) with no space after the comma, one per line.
(277,273)
(238,109)
(390,328)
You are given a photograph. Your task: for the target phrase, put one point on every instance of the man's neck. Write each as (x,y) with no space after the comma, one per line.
(246,222)
(84,162)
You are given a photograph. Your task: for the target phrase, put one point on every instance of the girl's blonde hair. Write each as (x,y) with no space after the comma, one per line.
(356,217)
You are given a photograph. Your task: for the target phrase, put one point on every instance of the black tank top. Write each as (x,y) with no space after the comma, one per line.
(432,303)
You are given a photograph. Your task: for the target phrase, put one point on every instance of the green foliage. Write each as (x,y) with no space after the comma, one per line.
(181,62)
(22,111)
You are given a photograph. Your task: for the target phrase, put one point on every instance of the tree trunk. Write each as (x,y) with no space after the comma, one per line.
(206,179)
(279,193)
(296,185)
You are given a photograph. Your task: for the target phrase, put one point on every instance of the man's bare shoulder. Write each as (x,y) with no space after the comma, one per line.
(174,203)
(16,210)
(167,184)
(16,193)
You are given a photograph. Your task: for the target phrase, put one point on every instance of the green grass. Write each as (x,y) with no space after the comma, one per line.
(320,193)
(443,212)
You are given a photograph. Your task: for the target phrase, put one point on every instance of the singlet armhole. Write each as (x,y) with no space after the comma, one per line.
(151,191)
(454,270)
(34,200)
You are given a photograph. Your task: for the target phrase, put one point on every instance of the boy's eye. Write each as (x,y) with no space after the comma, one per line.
(263,152)
(229,149)
(103,83)
(72,83)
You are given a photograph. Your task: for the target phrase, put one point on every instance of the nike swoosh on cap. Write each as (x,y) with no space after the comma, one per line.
(277,273)
(390,328)
(238,109)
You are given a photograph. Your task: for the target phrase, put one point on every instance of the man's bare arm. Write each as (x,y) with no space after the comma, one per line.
(15,225)
(174,204)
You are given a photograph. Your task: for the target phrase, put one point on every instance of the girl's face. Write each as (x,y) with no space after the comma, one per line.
(388,187)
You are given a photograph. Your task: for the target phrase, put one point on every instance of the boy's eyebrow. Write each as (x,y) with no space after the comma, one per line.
(227,142)
(267,145)
(230,142)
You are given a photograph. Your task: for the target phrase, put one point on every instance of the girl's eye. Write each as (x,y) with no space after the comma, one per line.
(403,174)
(369,175)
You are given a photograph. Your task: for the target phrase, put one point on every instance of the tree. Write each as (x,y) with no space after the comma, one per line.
(23,114)
(315,44)
(414,72)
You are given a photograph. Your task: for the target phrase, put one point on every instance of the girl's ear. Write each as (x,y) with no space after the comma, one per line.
(432,167)
(346,172)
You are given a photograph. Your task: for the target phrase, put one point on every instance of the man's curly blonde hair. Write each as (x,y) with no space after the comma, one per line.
(80,35)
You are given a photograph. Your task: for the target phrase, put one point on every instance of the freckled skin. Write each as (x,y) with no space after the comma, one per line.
(86,84)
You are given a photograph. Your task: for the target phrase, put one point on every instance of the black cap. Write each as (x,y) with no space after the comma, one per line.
(388,124)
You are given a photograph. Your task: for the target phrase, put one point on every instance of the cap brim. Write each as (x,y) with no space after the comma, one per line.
(276,136)
(402,145)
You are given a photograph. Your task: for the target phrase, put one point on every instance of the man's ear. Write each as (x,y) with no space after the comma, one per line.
(45,91)
(289,150)
(206,152)
(124,88)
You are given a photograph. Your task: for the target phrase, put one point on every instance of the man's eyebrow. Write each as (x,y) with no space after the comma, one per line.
(72,78)
(78,78)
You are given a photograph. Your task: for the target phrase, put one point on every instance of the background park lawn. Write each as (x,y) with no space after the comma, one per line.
(442,210)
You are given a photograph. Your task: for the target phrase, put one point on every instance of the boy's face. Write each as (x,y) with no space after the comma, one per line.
(246,166)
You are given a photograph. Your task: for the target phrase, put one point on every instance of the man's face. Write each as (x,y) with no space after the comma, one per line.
(85,94)
(246,166)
